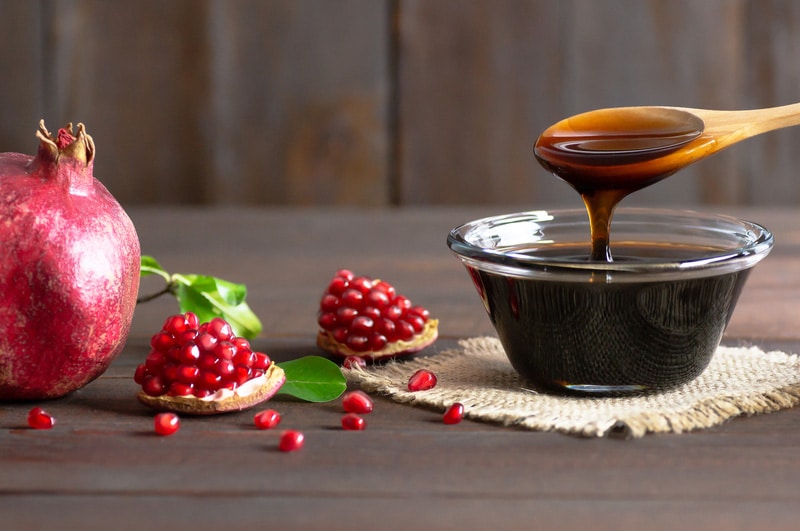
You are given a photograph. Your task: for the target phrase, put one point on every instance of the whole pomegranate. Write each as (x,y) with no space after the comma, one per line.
(69,273)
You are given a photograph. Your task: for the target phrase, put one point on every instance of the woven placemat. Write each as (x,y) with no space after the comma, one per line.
(739,381)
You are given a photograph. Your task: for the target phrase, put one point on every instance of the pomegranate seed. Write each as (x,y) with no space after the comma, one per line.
(267,419)
(154,386)
(188,373)
(420,312)
(39,419)
(140,373)
(206,342)
(175,324)
(167,423)
(353,422)
(377,341)
(337,286)
(220,328)
(291,440)
(454,414)
(189,353)
(362,325)
(155,360)
(345,316)
(162,341)
(358,343)
(180,389)
(357,402)
(393,313)
(346,274)
(192,321)
(386,288)
(351,362)
(422,380)
(329,302)
(225,368)
(371,312)
(404,330)
(362,284)
(327,321)
(352,298)
(261,361)
(378,299)
(241,343)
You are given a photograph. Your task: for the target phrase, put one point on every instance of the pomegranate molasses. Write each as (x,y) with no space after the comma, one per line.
(606,155)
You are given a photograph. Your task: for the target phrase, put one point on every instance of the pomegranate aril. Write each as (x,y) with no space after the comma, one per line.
(357,343)
(220,328)
(188,353)
(327,321)
(175,324)
(385,288)
(155,360)
(225,350)
(185,336)
(244,358)
(420,312)
(386,327)
(337,286)
(261,361)
(393,312)
(208,361)
(345,315)
(378,299)
(362,325)
(141,372)
(454,414)
(377,341)
(267,419)
(206,342)
(166,423)
(199,392)
(169,373)
(291,440)
(422,380)
(416,322)
(329,303)
(242,374)
(371,312)
(404,330)
(404,303)
(180,389)
(187,374)
(361,284)
(340,334)
(352,298)
(39,419)
(192,321)
(162,341)
(154,386)
(209,380)
(357,402)
(346,274)
(225,368)
(353,422)
(351,362)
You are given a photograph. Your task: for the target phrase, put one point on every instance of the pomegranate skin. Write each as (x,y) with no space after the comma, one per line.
(69,274)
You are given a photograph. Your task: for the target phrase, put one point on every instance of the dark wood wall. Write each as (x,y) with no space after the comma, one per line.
(388,102)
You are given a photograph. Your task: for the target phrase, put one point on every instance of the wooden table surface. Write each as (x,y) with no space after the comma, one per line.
(102,467)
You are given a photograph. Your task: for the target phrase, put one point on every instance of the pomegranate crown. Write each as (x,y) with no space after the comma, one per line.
(78,147)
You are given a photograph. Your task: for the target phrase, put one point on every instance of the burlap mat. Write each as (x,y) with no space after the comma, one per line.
(739,381)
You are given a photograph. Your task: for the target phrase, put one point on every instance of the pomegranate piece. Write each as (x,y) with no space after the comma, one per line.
(291,440)
(166,423)
(454,414)
(267,419)
(39,419)
(422,380)
(69,276)
(352,362)
(357,402)
(366,318)
(353,422)
(204,369)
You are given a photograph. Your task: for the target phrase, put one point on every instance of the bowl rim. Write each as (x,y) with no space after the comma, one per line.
(757,242)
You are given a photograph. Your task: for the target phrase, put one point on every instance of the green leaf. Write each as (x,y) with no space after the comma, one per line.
(313,378)
(211,297)
(149,266)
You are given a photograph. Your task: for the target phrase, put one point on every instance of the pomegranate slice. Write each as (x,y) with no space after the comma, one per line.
(364,318)
(204,369)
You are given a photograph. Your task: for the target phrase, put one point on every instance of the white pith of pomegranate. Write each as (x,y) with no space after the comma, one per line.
(204,369)
(69,273)
(368,319)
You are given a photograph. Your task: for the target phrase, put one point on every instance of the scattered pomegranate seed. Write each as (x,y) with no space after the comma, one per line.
(167,423)
(454,414)
(353,422)
(357,402)
(351,362)
(39,419)
(291,440)
(422,380)
(267,419)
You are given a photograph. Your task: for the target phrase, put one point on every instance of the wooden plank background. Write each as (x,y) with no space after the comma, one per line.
(388,102)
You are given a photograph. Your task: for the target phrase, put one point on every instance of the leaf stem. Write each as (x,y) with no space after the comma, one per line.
(146,298)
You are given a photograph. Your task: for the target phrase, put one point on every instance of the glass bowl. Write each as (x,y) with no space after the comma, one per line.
(650,319)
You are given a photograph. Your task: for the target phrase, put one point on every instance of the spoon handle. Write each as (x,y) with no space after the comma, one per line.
(732,126)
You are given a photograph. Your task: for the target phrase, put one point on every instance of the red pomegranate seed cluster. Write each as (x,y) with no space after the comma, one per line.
(192,359)
(366,315)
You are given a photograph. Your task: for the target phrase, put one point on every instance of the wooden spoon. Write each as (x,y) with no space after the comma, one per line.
(637,146)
